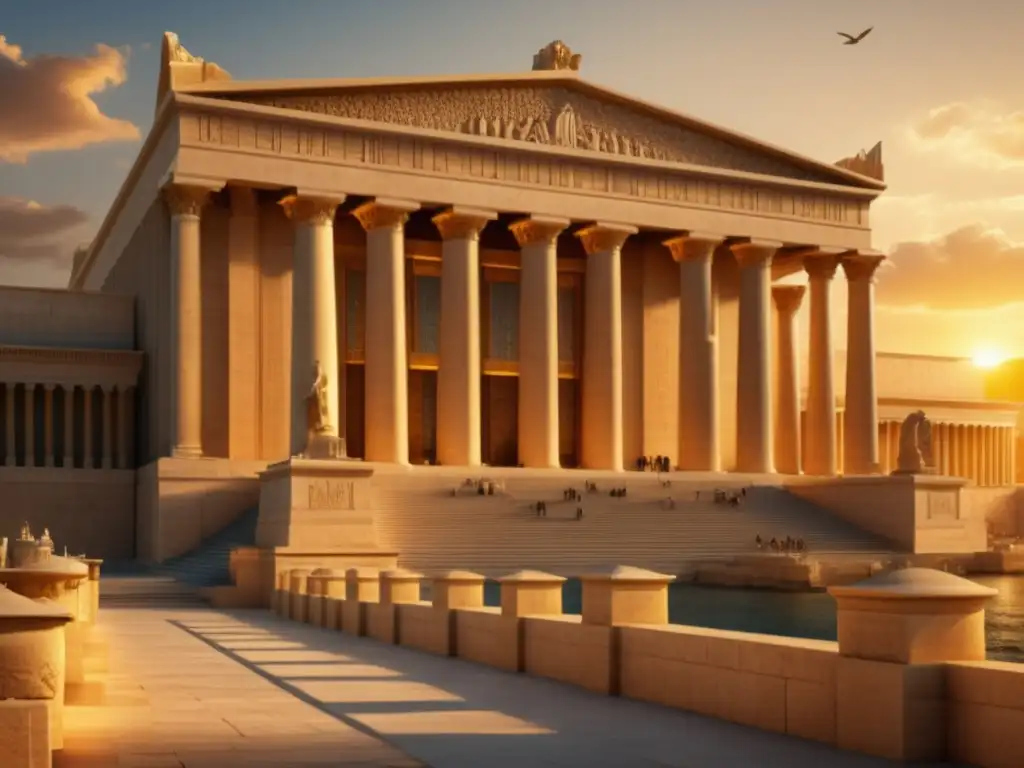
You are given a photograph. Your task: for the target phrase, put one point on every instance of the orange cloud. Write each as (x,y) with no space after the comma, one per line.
(46,101)
(30,232)
(974,267)
(981,132)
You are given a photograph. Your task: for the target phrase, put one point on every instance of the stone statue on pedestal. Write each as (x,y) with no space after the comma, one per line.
(26,533)
(318,414)
(321,443)
(915,456)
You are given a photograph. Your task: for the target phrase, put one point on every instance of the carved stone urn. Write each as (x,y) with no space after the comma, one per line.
(32,654)
(57,579)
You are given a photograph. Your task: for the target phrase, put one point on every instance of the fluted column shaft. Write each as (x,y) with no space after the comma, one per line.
(88,440)
(48,425)
(699,444)
(861,438)
(314,315)
(30,425)
(602,445)
(538,341)
(387,365)
(754,441)
(820,452)
(787,300)
(458,376)
(185,203)
(11,454)
(68,442)
(105,433)
(122,427)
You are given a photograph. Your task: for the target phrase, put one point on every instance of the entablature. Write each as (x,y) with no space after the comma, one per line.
(102,368)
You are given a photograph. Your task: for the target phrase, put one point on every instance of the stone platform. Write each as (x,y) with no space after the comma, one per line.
(260,690)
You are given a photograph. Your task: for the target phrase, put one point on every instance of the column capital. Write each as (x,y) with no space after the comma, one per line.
(787,298)
(244,202)
(309,209)
(49,387)
(186,199)
(600,237)
(862,266)
(384,213)
(462,223)
(693,245)
(821,266)
(750,251)
(537,230)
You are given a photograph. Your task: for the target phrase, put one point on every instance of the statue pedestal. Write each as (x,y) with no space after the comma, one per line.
(313,513)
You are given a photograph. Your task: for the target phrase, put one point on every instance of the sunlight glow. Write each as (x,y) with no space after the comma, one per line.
(988,358)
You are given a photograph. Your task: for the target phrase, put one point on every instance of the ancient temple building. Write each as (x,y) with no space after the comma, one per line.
(521,269)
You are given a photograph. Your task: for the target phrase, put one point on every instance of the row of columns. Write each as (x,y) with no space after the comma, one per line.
(984,454)
(314,338)
(860,434)
(59,449)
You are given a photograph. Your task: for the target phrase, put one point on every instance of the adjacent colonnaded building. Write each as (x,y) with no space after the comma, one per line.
(500,270)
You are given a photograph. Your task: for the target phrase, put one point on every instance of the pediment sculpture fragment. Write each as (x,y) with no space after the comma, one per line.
(564,130)
(866,163)
(556,55)
(915,455)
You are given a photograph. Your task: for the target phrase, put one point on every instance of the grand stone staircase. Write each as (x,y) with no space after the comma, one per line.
(418,516)
(176,582)
(432,530)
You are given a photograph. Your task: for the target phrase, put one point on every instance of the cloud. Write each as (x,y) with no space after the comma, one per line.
(30,232)
(46,101)
(974,267)
(984,133)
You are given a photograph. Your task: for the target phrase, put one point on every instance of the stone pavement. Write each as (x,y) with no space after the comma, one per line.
(218,689)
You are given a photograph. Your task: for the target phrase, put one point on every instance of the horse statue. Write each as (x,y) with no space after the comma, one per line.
(915,456)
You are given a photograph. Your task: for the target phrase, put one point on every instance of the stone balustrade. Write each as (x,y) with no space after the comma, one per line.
(907,680)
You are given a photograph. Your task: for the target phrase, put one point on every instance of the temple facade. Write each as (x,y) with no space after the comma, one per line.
(504,270)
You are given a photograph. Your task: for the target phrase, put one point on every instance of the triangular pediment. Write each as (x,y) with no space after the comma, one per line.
(559,111)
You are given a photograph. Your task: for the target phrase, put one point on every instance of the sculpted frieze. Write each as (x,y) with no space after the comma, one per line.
(555,116)
(367,147)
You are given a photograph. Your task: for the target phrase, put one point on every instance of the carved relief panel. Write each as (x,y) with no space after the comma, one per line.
(554,116)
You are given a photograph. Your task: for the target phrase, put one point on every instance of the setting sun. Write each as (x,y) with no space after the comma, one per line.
(988,358)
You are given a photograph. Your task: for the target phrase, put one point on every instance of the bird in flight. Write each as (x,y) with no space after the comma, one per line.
(851,40)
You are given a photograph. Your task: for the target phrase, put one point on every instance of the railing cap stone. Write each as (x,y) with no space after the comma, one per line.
(913,583)
(531,577)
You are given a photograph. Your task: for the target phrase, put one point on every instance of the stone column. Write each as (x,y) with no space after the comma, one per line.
(538,340)
(975,447)
(754,388)
(314,314)
(48,425)
(243,321)
(68,442)
(185,203)
(122,427)
(820,452)
(30,425)
(87,435)
(699,443)
(602,445)
(387,366)
(944,433)
(105,432)
(458,376)
(861,437)
(787,300)
(11,456)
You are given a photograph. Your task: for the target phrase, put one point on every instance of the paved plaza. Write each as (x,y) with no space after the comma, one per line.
(197,688)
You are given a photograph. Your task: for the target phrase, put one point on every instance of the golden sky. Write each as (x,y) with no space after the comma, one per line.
(938,83)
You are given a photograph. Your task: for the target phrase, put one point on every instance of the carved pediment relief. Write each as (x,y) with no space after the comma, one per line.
(553,115)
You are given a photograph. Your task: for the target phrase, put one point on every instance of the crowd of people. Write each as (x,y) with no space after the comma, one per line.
(653,464)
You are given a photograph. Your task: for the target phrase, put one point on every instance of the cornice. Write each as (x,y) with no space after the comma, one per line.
(188,103)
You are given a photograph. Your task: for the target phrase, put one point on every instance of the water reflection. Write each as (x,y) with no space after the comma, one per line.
(811,615)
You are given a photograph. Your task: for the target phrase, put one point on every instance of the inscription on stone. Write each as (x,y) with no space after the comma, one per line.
(941,506)
(331,494)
